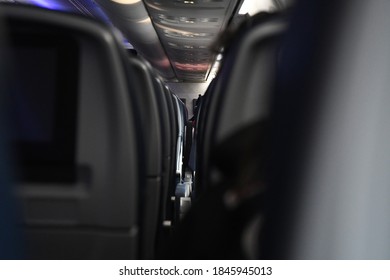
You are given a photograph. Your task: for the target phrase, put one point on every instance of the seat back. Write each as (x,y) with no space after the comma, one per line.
(169,189)
(332,122)
(167,149)
(180,115)
(150,128)
(11,242)
(79,158)
(241,93)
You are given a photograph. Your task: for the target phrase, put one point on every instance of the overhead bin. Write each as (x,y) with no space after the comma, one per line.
(133,20)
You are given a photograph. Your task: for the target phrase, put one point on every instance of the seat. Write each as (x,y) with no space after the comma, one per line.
(167,208)
(180,116)
(11,241)
(169,178)
(197,156)
(329,180)
(240,94)
(183,186)
(149,125)
(80,158)
(168,152)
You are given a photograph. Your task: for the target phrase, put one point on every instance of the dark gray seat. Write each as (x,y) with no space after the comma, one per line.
(11,242)
(240,94)
(170,191)
(150,126)
(82,169)
(168,152)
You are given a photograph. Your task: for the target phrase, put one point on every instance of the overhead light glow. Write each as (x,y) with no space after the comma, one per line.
(252,7)
(47,4)
(126,2)
(145,21)
(199,67)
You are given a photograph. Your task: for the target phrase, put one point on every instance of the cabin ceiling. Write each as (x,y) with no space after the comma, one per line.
(173,35)
(186,29)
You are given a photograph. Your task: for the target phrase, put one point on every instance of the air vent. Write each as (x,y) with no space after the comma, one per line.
(166,19)
(207,20)
(173,45)
(186,2)
(187,47)
(184,34)
(191,76)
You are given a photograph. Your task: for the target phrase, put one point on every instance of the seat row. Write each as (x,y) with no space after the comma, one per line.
(232,126)
(97,139)
(292,139)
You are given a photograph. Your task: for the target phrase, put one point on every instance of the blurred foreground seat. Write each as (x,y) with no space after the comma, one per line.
(75,135)
(331,151)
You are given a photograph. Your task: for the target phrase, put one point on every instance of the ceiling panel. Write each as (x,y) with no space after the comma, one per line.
(187,29)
